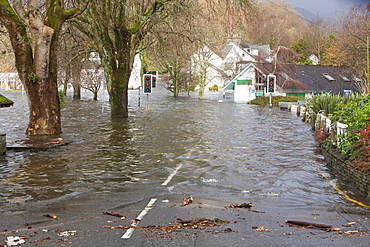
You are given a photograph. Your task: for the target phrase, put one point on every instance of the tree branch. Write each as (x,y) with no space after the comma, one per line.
(68,14)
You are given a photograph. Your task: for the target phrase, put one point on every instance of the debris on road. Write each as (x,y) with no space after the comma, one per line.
(241,205)
(307,224)
(67,233)
(43,240)
(255,211)
(197,223)
(261,229)
(14,241)
(187,201)
(123,217)
(50,216)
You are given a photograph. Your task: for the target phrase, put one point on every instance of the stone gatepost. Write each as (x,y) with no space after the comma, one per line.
(2,144)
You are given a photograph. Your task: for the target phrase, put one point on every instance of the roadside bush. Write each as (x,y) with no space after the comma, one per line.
(325,103)
(322,103)
(275,100)
(361,153)
(355,112)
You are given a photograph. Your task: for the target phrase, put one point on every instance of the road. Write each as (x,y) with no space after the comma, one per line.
(220,153)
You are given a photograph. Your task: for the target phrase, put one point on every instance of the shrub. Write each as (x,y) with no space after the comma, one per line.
(355,112)
(324,103)
(275,100)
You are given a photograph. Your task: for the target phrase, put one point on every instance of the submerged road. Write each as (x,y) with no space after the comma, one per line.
(141,168)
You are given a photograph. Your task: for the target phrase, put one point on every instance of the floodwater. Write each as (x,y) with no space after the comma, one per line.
(220,150)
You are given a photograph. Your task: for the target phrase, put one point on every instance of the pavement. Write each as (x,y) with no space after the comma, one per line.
(203,222)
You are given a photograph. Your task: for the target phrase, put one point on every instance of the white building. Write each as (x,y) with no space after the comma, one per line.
(245,85)
(135,78)
(314,59)
(10,81)
(218,66)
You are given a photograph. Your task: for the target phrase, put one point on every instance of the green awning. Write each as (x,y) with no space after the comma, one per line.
(244,82)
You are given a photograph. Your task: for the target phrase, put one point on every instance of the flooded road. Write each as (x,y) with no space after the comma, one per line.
(215,150)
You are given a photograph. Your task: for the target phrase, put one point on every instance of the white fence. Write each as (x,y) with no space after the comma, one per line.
(334,131)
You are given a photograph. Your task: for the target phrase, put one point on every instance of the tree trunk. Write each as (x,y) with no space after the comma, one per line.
(117,69)
(76,78)
(96,95)
(118,93)
(201,93)
(44,108)
(33,69)
(76,91)
(34,37)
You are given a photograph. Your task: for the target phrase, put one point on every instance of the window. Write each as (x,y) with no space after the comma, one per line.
(356,79)
(344,78)
(328,77)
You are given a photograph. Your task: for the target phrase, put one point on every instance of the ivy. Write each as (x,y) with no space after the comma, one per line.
(61,97)
(32,77)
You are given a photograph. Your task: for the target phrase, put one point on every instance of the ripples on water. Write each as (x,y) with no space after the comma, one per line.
(227,151)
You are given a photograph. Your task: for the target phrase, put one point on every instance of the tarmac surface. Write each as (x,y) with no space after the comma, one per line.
(166,222)
(105,169)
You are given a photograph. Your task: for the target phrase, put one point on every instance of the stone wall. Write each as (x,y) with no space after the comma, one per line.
(338,163)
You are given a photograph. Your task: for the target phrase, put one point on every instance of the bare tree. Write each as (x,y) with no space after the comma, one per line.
(92,77)
(355,28)
(316,35)
(172,42)
(74,50)
(347,46)
(34,28)
(117,29)
(275,23)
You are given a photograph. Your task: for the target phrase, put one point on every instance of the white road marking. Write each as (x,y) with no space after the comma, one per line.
(171,175)
(129,232)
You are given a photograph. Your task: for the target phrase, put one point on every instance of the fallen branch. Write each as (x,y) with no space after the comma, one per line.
(241,205)
(115,214)
(50,216)
(255,211)
(303,223)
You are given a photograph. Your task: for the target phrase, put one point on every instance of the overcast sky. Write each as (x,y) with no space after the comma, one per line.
(326,7)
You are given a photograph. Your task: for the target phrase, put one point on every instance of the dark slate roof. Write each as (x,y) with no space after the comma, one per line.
(310,78)
(326,78)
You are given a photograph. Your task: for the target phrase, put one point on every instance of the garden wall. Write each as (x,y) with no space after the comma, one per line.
(359,179)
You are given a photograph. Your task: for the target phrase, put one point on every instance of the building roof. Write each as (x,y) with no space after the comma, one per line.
(306,78)
(310,78)
(334,79)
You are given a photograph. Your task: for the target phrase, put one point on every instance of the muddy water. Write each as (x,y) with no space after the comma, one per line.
(221,150)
